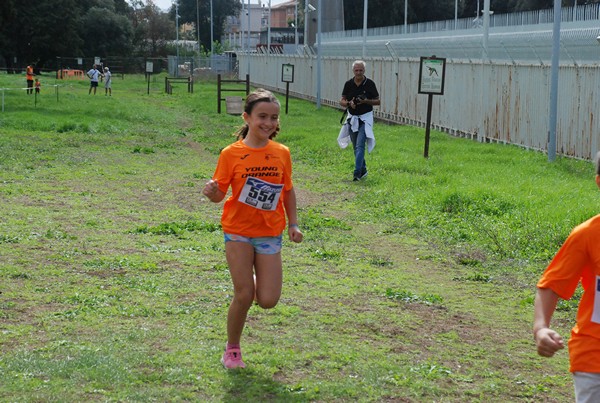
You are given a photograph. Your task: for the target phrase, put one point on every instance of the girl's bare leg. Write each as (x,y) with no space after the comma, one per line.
(268,279)
(240,257)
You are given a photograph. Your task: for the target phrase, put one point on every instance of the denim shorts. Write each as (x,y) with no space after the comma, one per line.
(266,245)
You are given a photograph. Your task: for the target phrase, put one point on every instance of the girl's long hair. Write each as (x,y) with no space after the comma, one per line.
(259,95)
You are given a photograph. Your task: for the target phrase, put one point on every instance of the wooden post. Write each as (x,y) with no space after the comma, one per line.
(287,96)
(428,126)
(219,93)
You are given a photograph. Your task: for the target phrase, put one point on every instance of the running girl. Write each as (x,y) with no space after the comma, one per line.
(259,171)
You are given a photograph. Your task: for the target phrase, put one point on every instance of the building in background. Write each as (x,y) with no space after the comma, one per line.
(242,31)
(283,30)
(284,17)
(332,19)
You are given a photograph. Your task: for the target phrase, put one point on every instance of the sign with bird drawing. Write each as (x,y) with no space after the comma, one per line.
(432,72)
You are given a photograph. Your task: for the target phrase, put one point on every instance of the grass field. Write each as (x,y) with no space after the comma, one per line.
(416,284)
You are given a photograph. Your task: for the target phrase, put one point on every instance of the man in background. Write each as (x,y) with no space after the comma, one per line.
(94,75)
(29,76)
(358,97)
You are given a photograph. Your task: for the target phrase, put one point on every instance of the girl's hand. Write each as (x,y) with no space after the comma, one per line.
(211,189)
(548,342)
(295,234)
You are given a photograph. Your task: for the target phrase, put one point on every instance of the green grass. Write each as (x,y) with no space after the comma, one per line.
(416,284)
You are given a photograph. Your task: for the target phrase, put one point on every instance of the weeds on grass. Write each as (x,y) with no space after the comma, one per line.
(407,296)
(114,285)
(178,229)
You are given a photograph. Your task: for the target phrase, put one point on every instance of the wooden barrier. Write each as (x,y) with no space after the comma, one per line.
(189,80)
(68,74)
(234,105)
(220,89)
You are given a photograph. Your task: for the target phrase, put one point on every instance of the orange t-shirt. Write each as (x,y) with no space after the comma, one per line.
(578,260)
(259,179)
(29,73)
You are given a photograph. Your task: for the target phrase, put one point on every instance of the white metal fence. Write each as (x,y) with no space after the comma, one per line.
(504,97)
(503,102)
(583,12)
(530,44)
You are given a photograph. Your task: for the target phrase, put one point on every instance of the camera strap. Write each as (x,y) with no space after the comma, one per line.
(360,90)
(344,114)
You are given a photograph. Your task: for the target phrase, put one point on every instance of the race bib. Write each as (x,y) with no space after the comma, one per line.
(596,311)
(260,194)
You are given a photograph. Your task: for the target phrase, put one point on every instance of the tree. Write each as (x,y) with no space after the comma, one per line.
(55,31)
(7,15)
(36,32)
(39,31)
(391,12)
(106,33)
(152,30)
(423,11)
(189,10)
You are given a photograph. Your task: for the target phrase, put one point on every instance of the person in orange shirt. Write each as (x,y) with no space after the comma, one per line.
(29,76)
(38,86)
(259,172)
(577,261)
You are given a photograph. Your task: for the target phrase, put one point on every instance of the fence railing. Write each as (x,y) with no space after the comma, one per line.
(497,102)
(586,12)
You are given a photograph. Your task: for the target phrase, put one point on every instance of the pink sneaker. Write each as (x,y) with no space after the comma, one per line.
(232,358)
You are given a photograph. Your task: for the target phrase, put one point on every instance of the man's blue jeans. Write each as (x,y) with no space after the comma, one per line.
(359,141)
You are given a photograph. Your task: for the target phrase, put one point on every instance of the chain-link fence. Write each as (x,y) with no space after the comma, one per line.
(203,66)
(118,65)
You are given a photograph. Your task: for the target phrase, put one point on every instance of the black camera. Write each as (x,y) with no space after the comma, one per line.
(359,98)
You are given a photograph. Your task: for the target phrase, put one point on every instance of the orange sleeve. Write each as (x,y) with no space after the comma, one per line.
(223,173)
(287,179)
(565,270)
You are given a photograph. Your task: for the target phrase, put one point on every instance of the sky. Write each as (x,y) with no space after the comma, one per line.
(166,4)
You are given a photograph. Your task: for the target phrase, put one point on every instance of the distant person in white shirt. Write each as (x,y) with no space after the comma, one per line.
(94,75)
(107,82)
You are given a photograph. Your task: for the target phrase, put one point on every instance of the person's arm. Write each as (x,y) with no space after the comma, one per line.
(547,340)
(372,102)
(371,95)
(212,191)
(344,102)
(346,99)
(289,202)
(348,103)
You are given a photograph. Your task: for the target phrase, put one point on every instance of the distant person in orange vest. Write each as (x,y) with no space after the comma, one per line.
(29,74)
(38,85)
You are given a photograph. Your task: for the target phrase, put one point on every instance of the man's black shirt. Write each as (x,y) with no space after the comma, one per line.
(366,89)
